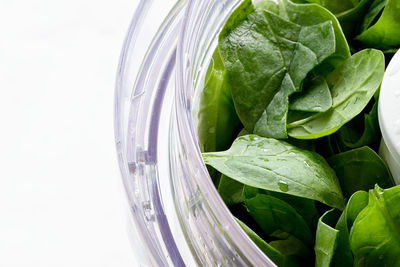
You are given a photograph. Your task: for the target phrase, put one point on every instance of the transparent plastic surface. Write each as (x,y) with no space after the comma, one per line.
(175,208)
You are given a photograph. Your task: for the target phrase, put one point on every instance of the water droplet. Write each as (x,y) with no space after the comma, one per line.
(292,154)
(265,150)
(305,162)
(283,186)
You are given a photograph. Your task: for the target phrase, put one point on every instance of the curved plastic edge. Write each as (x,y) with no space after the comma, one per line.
(389,113)
(207,205)
(136,159)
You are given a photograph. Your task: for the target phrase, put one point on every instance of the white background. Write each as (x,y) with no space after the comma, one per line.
(61,196)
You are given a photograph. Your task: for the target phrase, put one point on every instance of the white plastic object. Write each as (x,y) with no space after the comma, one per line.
(389,116)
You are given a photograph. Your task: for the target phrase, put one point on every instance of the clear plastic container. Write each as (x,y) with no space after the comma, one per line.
(179,219)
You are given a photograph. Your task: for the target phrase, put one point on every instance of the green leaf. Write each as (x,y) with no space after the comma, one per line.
(300,1)
(349,12)
(305,207)
(332,245)
(360,169)
(326,238)
(385,33)
(237,16)
(353,138)
(357,202)
(338,144)
(350,19)
(316,98)
(373,13)
(335,6)
(275,165)
(218,122)
(269,5)
(375,235)
(289,245)
(311,14)
(272,253)
(231,191)
(352,85)
(267,58)
(276,217)
(302,143)
(324,146)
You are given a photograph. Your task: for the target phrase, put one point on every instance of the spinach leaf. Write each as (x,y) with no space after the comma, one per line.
(350,20)
(269,5)
(375,235)
(357,202)
(385,33)
(277,218)
(337,143)
(335,6)
(330,145)
(371,134)
(218,122)
(360,169)
(373,14)
(312,14)
(349,13)
(302,143)
(267,58)
(299,1)
(352,85)
(305,207)
(290,246)
(316,98)
(231,191)
(332,245)
(324,147)
(275,165)
(326,238)
(277,257)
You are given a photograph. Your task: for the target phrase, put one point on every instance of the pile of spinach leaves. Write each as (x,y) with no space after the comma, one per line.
(303,178)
